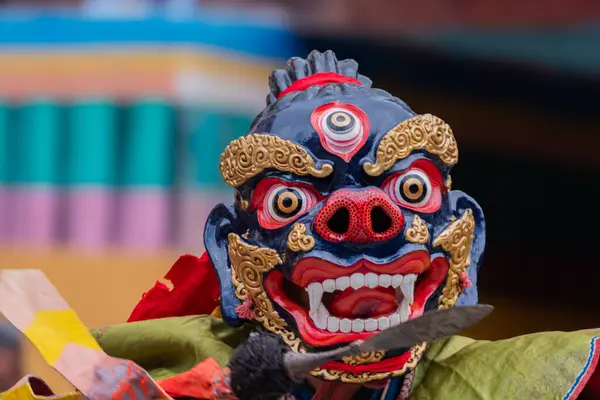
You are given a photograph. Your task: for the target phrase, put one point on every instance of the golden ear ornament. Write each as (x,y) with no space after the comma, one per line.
(418,232)
(426,132)
(248,265)
(298,240)
(457,240)
(249,155)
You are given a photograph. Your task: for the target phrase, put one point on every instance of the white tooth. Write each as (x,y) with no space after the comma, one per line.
(384,323)
(345,325)
(358,325)
(333,324)
(396,281)
(394,319)
(371,280)
(320,318)
(404,310)
(357,281)
(408,287)
(315,294)
(342,283)
(370,325)
(329,285)
(385,280)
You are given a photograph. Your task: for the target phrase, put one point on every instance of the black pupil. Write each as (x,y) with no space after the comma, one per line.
(286,198)
(341,122)
(413,188)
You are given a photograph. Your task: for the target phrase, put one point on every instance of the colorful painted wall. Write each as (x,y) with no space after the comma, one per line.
(111,131)
(110,137)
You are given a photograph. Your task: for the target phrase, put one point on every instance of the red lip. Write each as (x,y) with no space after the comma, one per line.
(314,269)
(430,279)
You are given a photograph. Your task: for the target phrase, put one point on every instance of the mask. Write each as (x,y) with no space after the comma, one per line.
(344,221)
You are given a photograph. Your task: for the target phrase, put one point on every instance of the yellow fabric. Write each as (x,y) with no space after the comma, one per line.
(51,331)
(547,365)
(24,391)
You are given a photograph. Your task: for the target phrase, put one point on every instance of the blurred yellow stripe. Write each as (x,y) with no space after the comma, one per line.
(80,63)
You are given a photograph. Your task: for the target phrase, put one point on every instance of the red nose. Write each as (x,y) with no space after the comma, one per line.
(359,216)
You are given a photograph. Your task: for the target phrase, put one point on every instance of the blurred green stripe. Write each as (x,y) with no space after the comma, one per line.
(92,143)
(104,144)
(206,147)
(4,143)
(149,144)
(37,148)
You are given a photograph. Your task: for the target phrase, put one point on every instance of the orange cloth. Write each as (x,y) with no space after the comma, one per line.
(197,382)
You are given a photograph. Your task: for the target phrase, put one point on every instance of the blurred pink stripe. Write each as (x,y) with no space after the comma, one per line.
(35,215)
(5,220)
(144,219)
(90,218)
(192,212)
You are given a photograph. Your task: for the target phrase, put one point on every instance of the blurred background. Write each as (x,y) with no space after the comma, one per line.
(113,115)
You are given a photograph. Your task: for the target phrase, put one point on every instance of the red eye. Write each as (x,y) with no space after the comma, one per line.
(277,203)
(417,188)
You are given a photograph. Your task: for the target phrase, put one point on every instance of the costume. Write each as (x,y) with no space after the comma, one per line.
(344,224)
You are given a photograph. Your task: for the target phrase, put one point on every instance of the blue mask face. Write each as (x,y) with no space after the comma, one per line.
(344,223)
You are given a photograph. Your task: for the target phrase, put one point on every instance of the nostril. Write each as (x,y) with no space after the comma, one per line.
(339,221)
(380,220)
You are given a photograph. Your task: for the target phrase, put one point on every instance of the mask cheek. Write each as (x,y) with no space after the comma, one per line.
(219,224)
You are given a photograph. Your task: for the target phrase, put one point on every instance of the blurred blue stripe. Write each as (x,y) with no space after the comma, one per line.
(224,32)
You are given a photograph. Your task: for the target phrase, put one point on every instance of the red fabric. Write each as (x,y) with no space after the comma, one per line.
(592,389)
(196,383)
(195,291)
(320,79)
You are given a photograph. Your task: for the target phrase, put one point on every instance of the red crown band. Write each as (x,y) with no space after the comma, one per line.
(318,79)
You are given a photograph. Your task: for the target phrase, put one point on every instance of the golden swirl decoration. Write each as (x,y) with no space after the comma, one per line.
(364,358)
(418,232)
(421,132)
(248,156)
(298,240)
(348,377)
(456,239)
(248,264)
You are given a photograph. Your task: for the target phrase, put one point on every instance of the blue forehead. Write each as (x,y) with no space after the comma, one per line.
(290,118)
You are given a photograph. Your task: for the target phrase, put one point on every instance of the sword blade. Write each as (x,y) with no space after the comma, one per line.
(430,326)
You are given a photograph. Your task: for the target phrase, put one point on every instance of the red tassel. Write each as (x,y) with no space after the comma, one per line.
(246,309)
(465,281)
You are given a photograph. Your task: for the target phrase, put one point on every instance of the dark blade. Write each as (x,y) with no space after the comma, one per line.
(431,326)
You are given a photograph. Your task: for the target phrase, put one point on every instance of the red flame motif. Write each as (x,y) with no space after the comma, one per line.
(343,128)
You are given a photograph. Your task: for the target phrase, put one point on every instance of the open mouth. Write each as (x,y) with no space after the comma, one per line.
(333,304)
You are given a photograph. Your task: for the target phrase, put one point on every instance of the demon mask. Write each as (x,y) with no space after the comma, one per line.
(344,221)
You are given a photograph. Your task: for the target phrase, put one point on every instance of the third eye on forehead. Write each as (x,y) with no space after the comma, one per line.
(341,122)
